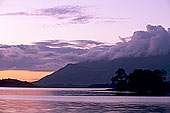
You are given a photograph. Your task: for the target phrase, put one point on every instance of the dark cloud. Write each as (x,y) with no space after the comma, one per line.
(5,46)
(48,55)
(51,55)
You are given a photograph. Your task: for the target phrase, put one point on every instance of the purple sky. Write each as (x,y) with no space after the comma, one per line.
(27,21)
(51,55)
(45,35)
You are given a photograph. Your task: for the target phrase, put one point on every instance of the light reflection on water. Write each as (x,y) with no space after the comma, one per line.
(83,100)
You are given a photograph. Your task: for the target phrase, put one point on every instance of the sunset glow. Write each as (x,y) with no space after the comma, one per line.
(43,36)
(84,56)
(23,75)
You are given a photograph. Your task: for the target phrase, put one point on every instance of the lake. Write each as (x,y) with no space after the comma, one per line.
(77,100)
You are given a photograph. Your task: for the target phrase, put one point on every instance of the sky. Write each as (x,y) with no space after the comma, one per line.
(43,36)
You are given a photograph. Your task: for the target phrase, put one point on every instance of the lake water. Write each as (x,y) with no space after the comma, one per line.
(77,100)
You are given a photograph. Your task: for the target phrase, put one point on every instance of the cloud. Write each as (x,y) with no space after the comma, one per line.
(67,15)
(154,41)
(86,43)
(50,55)
(15,13)
(81,19)
(64,14)
(60,12)
(53,43)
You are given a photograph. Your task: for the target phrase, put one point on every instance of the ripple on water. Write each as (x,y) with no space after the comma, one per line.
(76,101)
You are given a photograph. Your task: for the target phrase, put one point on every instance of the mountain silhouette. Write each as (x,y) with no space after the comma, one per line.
(100,71)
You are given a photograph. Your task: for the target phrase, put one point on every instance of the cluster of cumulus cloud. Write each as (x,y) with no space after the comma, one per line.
(51,55)
(154,41)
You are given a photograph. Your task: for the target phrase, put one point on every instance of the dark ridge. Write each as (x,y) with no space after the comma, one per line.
(15,83)
(100,71)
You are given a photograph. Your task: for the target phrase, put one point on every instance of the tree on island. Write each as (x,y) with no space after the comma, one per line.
(145,80)
(140,80)
(120,80)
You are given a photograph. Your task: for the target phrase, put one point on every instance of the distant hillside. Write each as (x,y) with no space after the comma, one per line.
(100,72)
(15,83)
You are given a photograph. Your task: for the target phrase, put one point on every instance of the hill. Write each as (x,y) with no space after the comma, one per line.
(101,71)
(15,83)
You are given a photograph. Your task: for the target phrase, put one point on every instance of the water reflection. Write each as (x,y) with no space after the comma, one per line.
(25,91)
(60,100)
(55,91)
(29,106)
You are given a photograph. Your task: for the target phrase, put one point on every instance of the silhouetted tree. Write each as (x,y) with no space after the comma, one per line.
(145,80)
(140,80)
(120,80)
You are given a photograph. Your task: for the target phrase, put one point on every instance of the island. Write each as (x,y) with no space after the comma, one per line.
(142,82)
(15,83)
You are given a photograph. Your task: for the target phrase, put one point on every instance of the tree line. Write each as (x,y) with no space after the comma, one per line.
(140,80)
